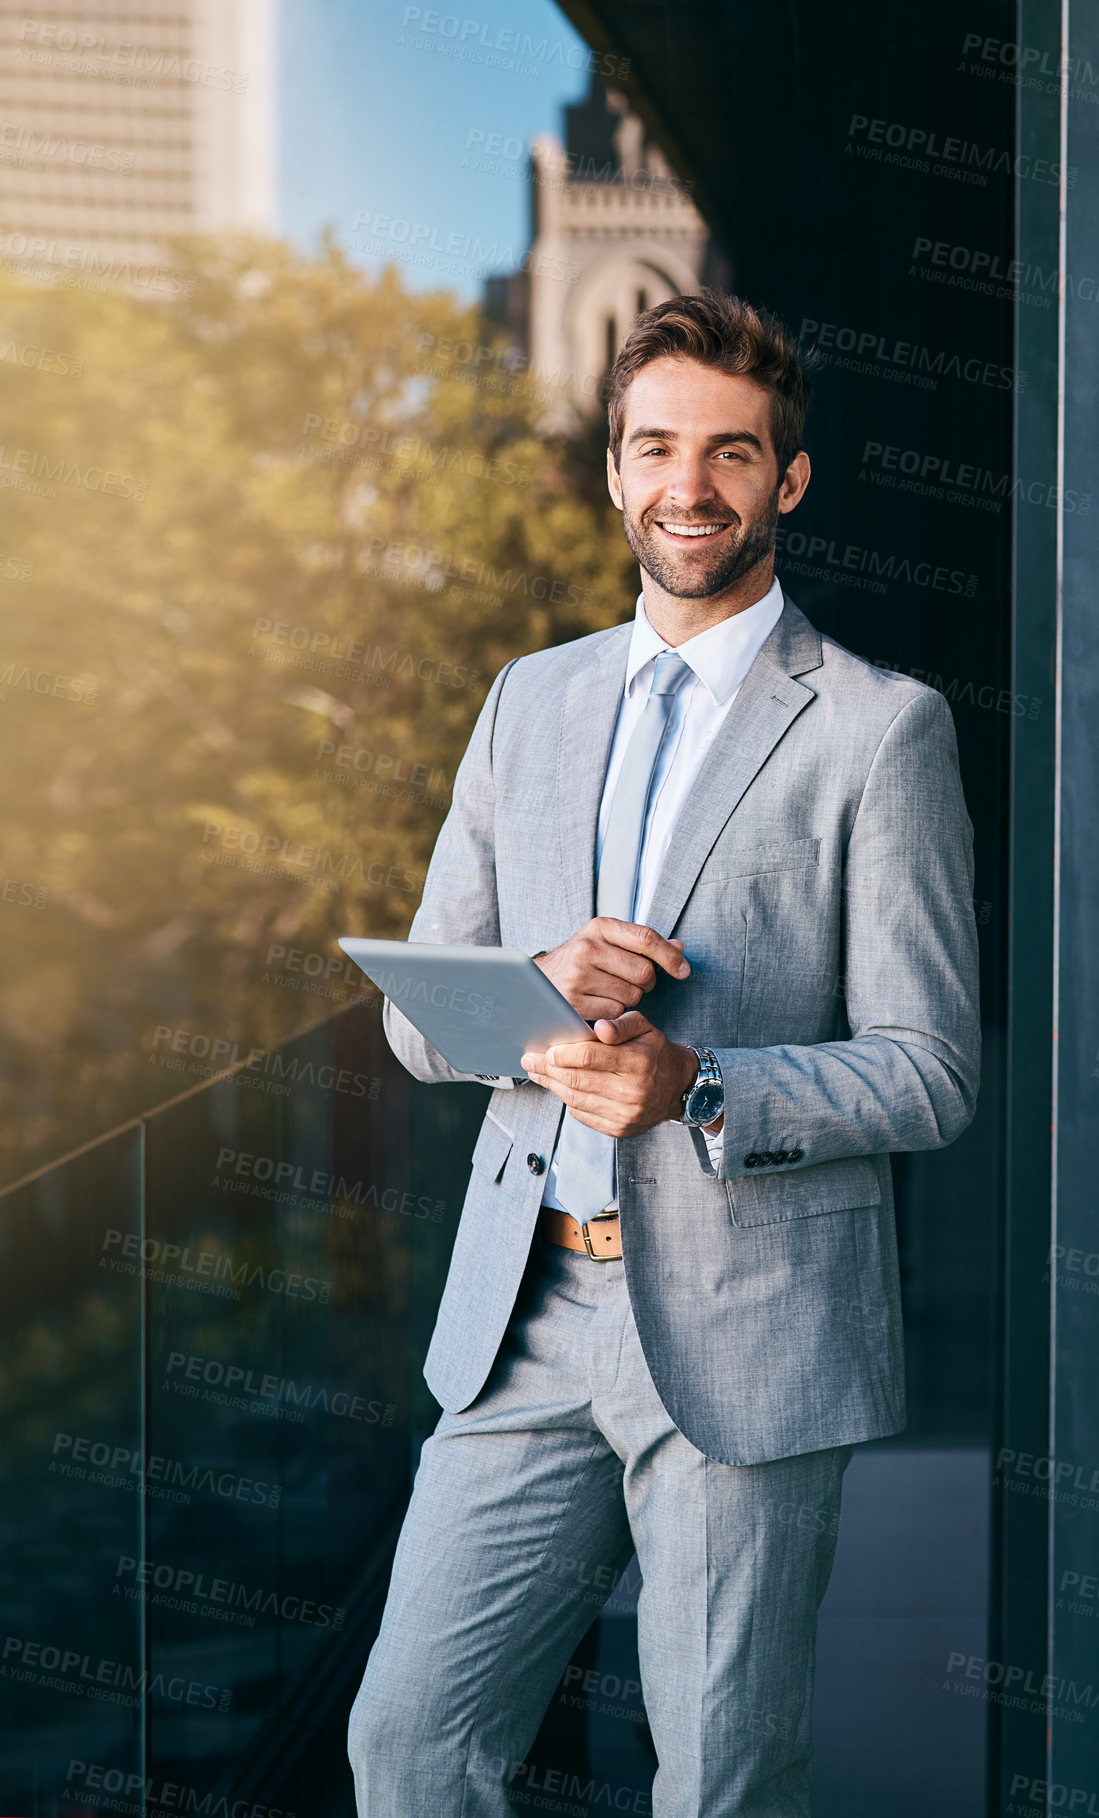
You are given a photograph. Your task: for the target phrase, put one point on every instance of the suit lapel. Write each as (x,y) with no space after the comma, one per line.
(589,712)
(769,700)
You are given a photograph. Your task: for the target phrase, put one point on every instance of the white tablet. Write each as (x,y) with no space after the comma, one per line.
(482,1008)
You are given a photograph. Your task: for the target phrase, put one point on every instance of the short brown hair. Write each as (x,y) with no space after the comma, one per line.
(726,332)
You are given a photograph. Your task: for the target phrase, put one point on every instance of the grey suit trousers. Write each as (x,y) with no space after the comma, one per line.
(525,1508)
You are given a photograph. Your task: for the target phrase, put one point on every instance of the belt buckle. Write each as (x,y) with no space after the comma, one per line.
(594,1220)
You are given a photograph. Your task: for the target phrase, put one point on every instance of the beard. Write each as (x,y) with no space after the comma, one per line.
(707,571)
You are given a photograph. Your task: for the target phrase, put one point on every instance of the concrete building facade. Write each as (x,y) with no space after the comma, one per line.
(123,122)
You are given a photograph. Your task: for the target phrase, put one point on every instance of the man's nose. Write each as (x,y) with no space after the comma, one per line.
(690,483)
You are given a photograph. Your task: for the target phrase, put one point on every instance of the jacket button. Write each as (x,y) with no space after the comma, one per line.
(765,1158)
(751,1161)
(780,1157)
(535,1163)
(793,1155)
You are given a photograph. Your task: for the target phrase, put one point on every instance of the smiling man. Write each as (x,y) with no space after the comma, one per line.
(673,1305)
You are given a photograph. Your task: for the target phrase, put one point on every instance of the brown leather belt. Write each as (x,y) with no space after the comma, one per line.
(600,1238)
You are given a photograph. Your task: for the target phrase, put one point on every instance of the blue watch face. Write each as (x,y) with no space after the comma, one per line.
(706,1102)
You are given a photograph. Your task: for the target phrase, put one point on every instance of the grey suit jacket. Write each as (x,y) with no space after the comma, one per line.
(821,878)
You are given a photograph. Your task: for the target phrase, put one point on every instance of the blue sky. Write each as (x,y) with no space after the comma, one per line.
(384,107)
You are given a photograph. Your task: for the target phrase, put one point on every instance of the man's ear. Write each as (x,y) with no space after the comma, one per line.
(614,484)
(794,481)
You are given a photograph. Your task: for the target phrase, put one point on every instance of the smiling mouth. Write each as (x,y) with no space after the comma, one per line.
(686,533)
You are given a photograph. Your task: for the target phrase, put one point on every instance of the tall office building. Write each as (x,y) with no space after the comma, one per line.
(125,121)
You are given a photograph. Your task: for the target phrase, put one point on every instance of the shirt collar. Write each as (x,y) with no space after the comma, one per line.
(720,657)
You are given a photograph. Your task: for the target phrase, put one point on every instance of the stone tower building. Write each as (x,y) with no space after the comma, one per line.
(613,231)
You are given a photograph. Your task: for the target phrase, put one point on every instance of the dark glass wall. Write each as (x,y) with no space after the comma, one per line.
(213,1328)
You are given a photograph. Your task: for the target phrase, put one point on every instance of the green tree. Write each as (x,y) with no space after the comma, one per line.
(278,545)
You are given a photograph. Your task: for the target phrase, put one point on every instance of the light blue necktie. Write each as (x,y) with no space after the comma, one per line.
(585,1157)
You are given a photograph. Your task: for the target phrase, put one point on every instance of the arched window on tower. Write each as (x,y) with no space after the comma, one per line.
(612,342)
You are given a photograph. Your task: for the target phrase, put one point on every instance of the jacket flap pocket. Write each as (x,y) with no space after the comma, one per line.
(773,855)
(832,1186)
(492,1148)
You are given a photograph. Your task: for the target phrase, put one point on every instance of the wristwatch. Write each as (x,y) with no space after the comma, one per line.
(704,1100)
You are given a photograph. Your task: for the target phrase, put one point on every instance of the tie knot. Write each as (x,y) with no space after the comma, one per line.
(670,673)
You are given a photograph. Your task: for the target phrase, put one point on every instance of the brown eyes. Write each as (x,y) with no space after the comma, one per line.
(733,453)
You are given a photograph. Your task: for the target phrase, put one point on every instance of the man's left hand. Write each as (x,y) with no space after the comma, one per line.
(630,1078)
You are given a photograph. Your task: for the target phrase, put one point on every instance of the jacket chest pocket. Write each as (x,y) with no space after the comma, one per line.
(831,1186)
(761,857)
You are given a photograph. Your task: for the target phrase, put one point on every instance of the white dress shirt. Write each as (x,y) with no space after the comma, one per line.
(720,658)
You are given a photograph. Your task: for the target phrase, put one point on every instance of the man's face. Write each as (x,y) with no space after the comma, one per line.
(698,483)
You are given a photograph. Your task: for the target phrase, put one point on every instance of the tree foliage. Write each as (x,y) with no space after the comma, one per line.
(277,545)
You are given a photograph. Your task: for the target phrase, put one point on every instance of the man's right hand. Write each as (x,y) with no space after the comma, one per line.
(606,967)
